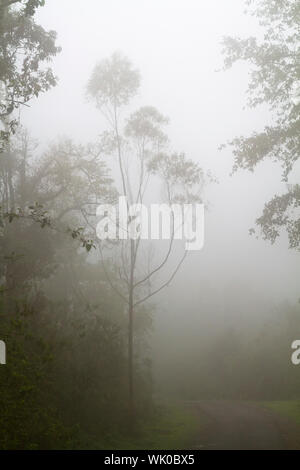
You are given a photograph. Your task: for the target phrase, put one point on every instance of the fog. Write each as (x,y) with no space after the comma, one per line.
(237,289)
(178,51)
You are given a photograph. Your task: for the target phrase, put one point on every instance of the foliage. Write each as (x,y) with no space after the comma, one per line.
(28,417)
(63,325)
(59,316)
(274,80)
(24,48)
(113,81)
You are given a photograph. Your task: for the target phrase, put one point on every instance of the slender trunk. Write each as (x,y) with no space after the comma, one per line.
(131,397)
(10,181)
(130,339)
(10,206)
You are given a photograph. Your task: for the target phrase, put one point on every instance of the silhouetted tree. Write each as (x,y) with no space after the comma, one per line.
(141,148)
(275,80)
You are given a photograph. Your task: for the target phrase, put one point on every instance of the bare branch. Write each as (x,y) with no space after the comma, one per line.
(165,284)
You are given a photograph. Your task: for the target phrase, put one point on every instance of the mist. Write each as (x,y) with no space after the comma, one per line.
(221,330)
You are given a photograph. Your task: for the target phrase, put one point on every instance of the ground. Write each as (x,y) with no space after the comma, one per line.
(227,424)
(173,426)
(217,424)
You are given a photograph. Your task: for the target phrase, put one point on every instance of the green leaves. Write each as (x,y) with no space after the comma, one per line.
(274,75)
(282,212)
(39,215)
(77,234)
(24,47)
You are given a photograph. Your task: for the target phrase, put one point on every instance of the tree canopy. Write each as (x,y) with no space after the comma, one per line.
(274,80)
(25,48)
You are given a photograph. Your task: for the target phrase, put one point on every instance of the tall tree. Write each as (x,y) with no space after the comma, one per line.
(24,49)
(141,148)
(274,80)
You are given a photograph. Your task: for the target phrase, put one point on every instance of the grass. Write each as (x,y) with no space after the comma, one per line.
(289,408)
(172,428)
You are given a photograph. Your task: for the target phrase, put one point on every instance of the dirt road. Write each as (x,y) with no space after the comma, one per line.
(242,425)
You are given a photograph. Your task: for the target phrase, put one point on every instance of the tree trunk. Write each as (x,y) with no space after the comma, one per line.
(130,340)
